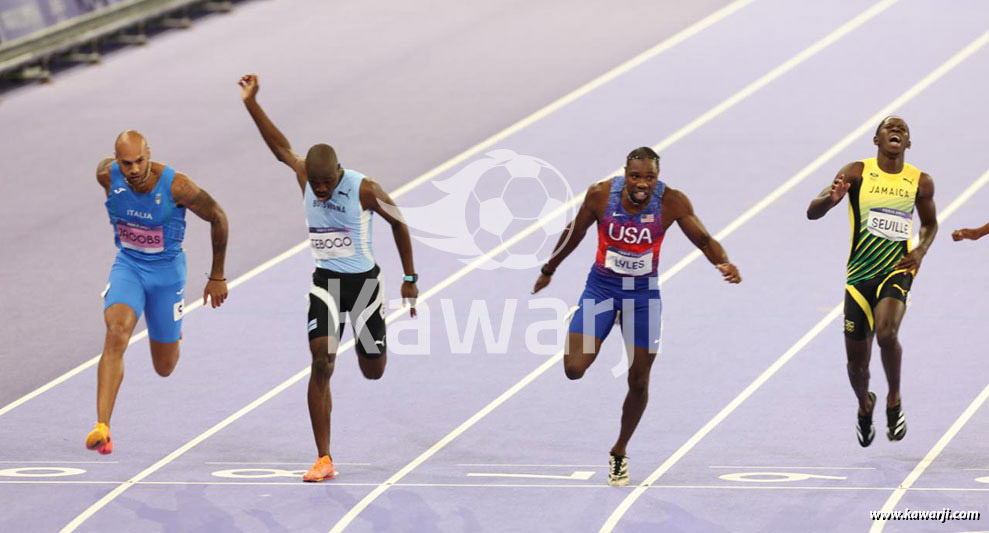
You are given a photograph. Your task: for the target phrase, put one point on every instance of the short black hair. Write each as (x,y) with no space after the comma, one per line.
(642,152)
(883,121)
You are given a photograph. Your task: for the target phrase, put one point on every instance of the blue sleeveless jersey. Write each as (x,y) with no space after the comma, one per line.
(148,227)
(628,245)
(339,229)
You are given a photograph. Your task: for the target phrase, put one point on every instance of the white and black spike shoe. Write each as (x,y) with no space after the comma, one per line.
(896,423)
(864,429)
(618,471)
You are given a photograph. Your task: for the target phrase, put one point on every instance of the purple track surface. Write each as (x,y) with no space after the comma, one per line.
(220,445)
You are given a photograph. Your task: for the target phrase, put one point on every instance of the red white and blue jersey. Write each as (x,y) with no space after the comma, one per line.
(628,245)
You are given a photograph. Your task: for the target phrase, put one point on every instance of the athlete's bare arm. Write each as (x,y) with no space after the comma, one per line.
(375,199)
(591,210)
(849,176)
(927,213)
(186,193)
(970,233)
(277,143)
(103,174)
(677,207)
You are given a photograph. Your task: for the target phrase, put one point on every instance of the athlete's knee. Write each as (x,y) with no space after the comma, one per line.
(574,371)
(164,369)
(322,366)
(638,382)
(887,336)
(118,330)
(858,368)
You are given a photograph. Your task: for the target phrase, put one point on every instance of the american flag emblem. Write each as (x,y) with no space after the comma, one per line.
(647,218)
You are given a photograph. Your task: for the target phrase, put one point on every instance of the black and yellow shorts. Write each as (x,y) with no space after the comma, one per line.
(861,299)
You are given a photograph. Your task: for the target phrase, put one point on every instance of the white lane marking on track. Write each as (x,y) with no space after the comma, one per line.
(277,464)
(731,101)
(530,119)
(775,477)
(666,44)
(41,471)
(57,462)
(939,447)
(531,465)
(804,467)
(579,475)
(623,507)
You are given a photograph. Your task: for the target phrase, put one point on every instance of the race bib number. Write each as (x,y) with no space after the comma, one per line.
(141,238)
(628,265)
(890,224)
(331,243)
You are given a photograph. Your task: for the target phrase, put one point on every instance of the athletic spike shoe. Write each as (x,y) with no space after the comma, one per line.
(99,439)
(864,429)
(321,469)
(896,423)
(618,471)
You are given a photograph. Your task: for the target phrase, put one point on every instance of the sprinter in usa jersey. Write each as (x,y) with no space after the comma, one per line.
(339,205)
(632,213)
(883,193)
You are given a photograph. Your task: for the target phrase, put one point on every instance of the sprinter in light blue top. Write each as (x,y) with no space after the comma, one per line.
(146,202)
(339,206)
(339,228)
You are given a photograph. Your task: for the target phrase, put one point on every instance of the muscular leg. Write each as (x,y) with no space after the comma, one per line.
(576,360)
(889,313)
(323,351)
(372,367)
(859,353)
(637,397)
(164,356)
(120,321)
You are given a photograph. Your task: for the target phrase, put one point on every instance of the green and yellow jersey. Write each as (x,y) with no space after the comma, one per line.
(881,214)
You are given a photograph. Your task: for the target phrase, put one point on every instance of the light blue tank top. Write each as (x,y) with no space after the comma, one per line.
(149,226)
(339,229)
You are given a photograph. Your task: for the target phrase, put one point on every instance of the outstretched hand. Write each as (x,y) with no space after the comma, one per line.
(729,272)
(541,282)
(248,86)
(839,188)
(966,233)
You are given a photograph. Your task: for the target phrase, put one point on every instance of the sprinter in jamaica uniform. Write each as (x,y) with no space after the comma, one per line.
(883,193)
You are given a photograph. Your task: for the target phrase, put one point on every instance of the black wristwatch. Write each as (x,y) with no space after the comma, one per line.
(545,272)
(411,278)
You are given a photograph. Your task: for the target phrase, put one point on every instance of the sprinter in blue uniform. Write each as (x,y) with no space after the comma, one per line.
(339,204)
(146,202)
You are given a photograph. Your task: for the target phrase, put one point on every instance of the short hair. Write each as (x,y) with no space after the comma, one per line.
(642,152)
(321,158)
(883,121)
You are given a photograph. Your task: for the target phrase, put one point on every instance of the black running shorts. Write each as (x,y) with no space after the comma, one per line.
(334,294)
(861,300)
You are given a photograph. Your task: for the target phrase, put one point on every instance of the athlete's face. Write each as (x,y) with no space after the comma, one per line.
(640,180)
(324,182)
(893,136)
(134,160)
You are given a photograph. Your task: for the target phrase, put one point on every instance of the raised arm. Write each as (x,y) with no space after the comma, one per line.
(927,212)
(677,207)
(849,175)
(186,193)
(276,141)
(375,199)
(590,211)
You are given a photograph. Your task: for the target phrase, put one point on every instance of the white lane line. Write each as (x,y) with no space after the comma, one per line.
(446,165)
(704,118)
(57,462)
(960,200)
(531,466)
(804,467)
(939,447)
(278,464)
(579,475)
